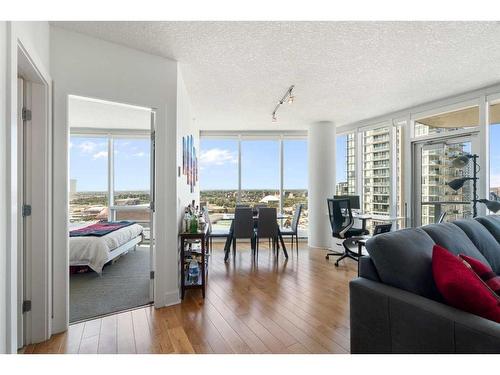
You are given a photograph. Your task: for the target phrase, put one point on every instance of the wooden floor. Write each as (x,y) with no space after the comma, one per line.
(294,306)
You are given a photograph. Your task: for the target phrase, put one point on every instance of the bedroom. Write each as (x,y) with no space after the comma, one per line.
(110,216)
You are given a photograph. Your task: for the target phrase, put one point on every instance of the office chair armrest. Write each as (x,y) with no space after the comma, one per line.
(345,230)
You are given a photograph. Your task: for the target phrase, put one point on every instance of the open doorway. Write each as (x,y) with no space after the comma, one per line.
(111,207)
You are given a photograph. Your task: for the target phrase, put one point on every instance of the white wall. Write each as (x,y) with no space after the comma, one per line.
(94,68)
(3,194)
(321,149)
(186,125)
(34,39)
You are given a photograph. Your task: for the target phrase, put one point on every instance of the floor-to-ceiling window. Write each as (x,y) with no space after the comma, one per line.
(379,181)
(254,170)
(295,181)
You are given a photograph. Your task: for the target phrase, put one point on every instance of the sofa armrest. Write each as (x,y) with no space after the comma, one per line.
(385,319)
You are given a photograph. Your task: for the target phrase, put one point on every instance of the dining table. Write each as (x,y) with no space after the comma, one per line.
(227,246)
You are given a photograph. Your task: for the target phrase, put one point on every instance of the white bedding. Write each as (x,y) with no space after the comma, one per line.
(95,251)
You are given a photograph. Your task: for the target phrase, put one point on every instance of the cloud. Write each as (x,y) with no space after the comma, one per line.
(100,154)
(139,154)
(87,147)
(217,156)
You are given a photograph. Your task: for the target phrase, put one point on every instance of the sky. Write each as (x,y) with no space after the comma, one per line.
(89,163)
(494,155)
(341,161)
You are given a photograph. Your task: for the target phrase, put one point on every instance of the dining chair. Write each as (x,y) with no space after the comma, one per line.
(213,233)
(293,230)
(243,227)
(267,227)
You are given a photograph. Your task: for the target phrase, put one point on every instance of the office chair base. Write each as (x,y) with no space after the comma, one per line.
(334,254)
(346,255)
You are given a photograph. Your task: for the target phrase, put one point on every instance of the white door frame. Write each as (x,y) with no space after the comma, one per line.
(36,324)
(152,195)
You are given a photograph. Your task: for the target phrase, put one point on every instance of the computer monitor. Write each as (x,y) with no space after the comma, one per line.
(353,200)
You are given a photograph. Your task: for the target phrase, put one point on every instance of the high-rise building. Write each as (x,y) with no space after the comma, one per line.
(376,171)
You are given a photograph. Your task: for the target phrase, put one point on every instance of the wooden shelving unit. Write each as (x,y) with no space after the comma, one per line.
(193,244)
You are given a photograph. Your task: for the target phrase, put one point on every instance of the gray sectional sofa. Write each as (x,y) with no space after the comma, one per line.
(395,306)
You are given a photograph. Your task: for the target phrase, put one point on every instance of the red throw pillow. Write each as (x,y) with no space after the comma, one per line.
(461,287)
(484,272)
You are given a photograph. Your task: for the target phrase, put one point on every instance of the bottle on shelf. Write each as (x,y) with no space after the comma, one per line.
(186,220)
(193,270)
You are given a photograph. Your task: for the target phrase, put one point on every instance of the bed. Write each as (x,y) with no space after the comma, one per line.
(95,251)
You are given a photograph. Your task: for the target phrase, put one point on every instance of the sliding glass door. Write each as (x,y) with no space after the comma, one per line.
(434,169)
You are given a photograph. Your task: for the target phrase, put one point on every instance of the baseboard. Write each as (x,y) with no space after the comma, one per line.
(169,299)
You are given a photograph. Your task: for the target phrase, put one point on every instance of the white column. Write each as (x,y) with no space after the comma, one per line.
(321,149)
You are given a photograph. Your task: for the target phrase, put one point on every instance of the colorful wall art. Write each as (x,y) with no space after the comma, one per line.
(189,161)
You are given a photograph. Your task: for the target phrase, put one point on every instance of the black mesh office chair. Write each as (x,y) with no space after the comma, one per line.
(342,223)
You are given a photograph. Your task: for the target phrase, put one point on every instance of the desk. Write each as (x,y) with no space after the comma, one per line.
(361,241)
(227,246)
(362,217)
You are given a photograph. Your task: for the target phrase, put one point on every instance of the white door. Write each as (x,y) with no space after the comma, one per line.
(433,170)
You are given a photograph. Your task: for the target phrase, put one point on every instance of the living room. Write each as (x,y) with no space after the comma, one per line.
(300,186)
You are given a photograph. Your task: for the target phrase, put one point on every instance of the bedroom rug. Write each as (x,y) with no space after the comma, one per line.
(123,285)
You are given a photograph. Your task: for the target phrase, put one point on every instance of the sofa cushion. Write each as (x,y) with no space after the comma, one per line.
(492,223)
(484,272)
(461,287)
(483,240)
(403,259)
(451,237)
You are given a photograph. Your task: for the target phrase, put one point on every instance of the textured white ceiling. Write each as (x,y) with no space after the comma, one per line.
(235,72)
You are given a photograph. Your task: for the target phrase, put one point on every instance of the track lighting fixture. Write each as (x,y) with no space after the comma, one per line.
(288,97)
